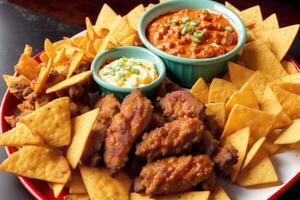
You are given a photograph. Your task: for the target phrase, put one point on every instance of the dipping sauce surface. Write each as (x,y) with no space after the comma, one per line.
(129,72)
(192,33)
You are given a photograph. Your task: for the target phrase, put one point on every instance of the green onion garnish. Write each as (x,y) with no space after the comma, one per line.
(185,19)
(184,30)
(196,39)
(228,28)
(198,34)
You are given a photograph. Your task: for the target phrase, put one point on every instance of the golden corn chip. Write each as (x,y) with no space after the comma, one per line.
(259,172)
(259,82)
(60,57)
(289,101)
(280,39)
(217,111)
(76,184)
(239,140)
(43,76)
(120,29)
(28,67)
(134,15)
(270,104)
(108,43)
(23,106)
(78,78)
(76,41)
(27,50)
(250,36)
(270,148)
(59,44)
(97,44)
(274,134)
(289,67)
(258,56)
(231,7)
(52,122)
(220,90)
(220,194)
(81,128)
(71,50)
(290,87)
(252,15)
(295,145)
(83,43)
(10,79)
(292,78)
(245,96)
(105,18)
(150,5)
(129,41)
(161,1)
(239,74)
(253,151)
(260,122)
(100,185)
(56,188)
(20,136)
(90,29)
(75,62)
(90,51)
(200,90)
(44,58)
(268,24)
(195,195)
(137,196)
(77,197)
(290,135)
(38,163)
(49,49)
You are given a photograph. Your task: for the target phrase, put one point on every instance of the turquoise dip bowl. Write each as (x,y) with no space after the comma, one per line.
(130,52)
(186,70)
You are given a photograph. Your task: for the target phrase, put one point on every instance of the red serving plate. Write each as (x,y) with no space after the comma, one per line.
(40,189)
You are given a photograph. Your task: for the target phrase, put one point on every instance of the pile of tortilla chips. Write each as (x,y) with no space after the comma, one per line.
(257,104)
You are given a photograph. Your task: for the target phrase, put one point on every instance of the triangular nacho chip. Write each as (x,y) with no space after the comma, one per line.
(81,128)
(290,135)
(217,111)
(239,74)
(129,41)
(28,67)
(43,76)
(52,122)
(105,18)
(290,87)
(75,62)
(200,90)
(60,57)
(268,24)
(49,49)
(220,90)
(78,78)
(120,29)
(38,163)
(137,196)
(90,29)
(193,195)
(220,194)
(252,151)
(20,136)
(280,39)
(251,15)
(239,140)
(232,7)
(76,184)
(77,197)
(289,67)
(259,82)
(134,15)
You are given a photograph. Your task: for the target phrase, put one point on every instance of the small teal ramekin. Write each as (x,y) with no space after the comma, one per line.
(186,71)
(130,52)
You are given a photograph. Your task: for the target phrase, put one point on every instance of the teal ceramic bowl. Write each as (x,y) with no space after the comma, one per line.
(186,71)
(130,52)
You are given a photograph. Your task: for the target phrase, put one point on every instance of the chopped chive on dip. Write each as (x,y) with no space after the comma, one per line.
(228,28)
(129,72)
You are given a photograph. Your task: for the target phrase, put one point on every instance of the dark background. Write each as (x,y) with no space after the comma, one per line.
(57,18)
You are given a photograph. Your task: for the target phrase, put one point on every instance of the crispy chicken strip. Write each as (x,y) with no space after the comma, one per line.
(173,174)
(181,104)
(165,87)
(126,127)
(109,106)
(172,138)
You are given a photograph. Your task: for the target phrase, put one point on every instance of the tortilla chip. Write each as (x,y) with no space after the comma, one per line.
(28,67)
(259,172)
(239,140)
(289,67)
(90,51)
(220,194)
(271,105)
(260,122)
(217,111)
(71,50)
(280,39)
(49,49)
(10,79)
(251,15)
(268,24)
(97,44)
(129,41)
(137,196)
(270,148)
(108,43)
(259,82)
(258,56)
(56,188)
(200,90)
(239,74)
(75,62)
(81,129)
(76,184)
(43,57)
(253,151)
(195,195)
(38,163)
(292,78)
(245,96)
(39,86)
(134,15)
(150,5)
(295,145)
(289,101)
(290,87)
(100,185)
(290,135)
(231,7)
(76,79)
(77,197)
(60,57)
(120,29)
(52,122)
(20,136)
(105,18)
(220,90)
(90,30)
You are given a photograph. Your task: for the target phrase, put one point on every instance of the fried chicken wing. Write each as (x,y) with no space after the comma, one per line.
(172,138)
(165,87)
(208,144)
(181,104)
(173,174)
(109,106)
(126,127)
(225,158)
